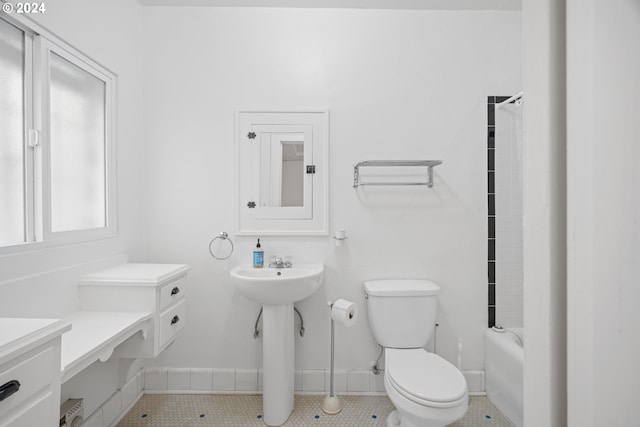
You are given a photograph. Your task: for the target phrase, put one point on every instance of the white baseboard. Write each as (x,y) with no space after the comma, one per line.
(475,382)
(111,412)
(249,381)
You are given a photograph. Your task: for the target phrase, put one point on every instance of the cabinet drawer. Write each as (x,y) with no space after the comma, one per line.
(41,411)
(172,292)
(171,322)
(33,372)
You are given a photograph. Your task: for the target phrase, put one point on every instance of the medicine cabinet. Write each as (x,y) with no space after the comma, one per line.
(282,172)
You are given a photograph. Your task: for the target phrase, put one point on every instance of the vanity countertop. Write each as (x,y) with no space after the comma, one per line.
(19,333)
(134,273)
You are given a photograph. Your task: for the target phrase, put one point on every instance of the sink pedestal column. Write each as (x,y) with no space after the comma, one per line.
(277,363)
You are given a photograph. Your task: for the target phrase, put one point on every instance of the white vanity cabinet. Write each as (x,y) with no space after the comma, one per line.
(159,289)
(30,371)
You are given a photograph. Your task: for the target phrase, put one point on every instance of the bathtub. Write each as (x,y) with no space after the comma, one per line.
(503,366)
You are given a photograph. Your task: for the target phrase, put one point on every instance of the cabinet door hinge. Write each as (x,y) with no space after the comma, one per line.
(311,168)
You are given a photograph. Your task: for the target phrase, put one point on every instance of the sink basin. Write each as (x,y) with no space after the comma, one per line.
(277,286)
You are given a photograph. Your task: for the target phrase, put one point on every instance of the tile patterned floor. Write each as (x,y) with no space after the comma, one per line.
(162,410)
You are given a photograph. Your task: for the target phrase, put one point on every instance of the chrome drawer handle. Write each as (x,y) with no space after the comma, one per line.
(8,389)
(175,291)
(175,319)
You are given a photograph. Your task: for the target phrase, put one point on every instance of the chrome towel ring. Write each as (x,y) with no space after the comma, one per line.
(223,237)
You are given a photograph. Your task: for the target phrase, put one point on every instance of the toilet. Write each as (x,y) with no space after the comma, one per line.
(426,390)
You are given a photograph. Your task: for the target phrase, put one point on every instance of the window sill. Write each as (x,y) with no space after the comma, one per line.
(69,238)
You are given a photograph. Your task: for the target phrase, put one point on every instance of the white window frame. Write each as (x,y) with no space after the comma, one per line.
(39,45)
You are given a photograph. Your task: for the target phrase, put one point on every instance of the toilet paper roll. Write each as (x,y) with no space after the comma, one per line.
(344,312)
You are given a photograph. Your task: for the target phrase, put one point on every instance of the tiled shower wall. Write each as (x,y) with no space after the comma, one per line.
(505,195)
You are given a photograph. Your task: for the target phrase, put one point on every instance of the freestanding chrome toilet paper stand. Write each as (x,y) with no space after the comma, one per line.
(346,313)
(331,404)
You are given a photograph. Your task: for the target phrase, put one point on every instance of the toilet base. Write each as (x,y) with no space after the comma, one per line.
(412,414)
(395,419)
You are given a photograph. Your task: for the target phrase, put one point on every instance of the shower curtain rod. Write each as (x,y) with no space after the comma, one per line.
(513,98)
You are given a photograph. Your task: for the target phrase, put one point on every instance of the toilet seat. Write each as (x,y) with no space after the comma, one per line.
(425,378)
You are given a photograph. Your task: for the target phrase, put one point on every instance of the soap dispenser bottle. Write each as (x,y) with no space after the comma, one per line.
(258,256)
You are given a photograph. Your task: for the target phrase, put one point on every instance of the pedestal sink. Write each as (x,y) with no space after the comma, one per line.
(277,289)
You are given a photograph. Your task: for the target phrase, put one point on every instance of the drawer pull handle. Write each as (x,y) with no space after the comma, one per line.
(175,291)
(8,389)
(175,319)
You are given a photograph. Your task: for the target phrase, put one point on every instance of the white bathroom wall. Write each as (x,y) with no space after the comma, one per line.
(603,205)
(545,213)
(399,85)
(508,204)
(42,282)
(581,212)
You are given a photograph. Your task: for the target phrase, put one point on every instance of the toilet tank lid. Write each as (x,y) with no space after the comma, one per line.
(401,287)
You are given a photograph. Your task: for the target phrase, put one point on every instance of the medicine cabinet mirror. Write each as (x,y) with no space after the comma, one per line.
(282,172)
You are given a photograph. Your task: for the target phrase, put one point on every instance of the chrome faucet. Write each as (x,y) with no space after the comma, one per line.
(280,263)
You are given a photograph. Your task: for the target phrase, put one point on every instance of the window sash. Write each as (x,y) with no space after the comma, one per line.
(39,46)
(77,146)
(27,203)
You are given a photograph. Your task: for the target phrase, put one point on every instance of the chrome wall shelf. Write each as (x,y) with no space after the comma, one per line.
(429,164)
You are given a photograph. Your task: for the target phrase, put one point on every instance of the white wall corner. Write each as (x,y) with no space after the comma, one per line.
(475,382)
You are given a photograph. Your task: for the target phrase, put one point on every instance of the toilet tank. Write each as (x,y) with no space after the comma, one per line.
(402,312)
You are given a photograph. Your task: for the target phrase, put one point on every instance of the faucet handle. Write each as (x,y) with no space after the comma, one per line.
(275,262)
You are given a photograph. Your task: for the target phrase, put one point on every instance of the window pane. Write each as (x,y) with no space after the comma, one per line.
(12,187)
(78,184)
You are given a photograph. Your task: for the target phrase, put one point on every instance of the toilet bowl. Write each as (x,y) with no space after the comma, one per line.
(426,390)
